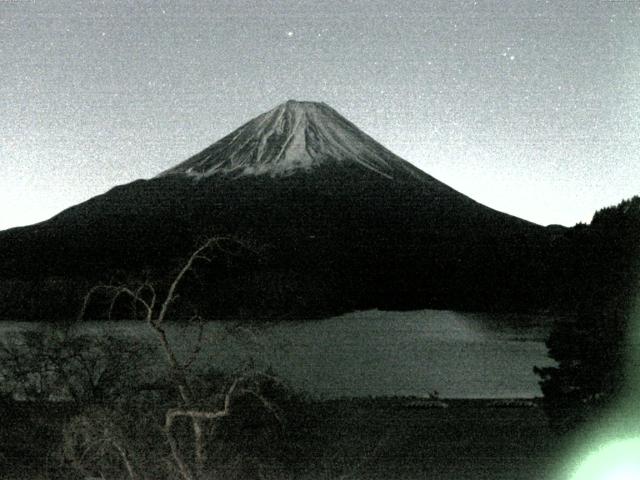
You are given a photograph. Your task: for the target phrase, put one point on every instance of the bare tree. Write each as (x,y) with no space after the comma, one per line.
(30,363)
(91,441)
(155,308)
(56,362)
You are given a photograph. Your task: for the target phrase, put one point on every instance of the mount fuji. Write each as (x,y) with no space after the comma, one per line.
(294,136)
(341,223)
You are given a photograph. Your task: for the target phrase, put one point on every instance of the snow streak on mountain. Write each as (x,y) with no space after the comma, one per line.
(294,136)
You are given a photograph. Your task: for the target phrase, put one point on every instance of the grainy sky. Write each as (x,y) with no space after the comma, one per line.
(531,107)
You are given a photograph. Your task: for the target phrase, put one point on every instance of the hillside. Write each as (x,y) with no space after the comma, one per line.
(340,223)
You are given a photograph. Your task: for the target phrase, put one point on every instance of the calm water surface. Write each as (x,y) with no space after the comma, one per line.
(460,355)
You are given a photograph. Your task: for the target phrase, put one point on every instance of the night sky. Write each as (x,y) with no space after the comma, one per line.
(530,107)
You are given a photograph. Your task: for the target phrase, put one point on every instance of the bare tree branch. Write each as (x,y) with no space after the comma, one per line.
(156,311)
(171,294)
(199,342)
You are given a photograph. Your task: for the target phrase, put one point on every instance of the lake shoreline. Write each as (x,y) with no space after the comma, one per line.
(371,353)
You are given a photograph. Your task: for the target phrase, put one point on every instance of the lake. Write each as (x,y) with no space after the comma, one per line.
(375,353)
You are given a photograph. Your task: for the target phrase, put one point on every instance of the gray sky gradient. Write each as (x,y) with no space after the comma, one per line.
(531,107)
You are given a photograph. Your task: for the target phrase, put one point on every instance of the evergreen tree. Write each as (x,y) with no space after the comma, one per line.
(600,280)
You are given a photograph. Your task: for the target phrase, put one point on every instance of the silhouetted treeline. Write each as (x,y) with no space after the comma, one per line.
(324,246)
(601,281)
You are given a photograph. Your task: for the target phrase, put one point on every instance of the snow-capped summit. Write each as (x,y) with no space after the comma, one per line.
(294,136)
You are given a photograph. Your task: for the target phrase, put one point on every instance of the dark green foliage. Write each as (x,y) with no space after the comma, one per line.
(601,283)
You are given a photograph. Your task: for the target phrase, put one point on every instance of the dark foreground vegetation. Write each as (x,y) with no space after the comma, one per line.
(91,409)
(103,406)
(339,439)
(597,351)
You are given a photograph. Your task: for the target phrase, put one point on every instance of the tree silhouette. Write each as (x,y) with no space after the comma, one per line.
(154,308)
(601,282)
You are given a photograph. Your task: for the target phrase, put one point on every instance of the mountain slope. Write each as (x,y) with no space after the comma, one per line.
(294,136)
(342,224)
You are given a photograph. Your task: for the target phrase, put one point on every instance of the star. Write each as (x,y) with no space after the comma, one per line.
(289,33)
